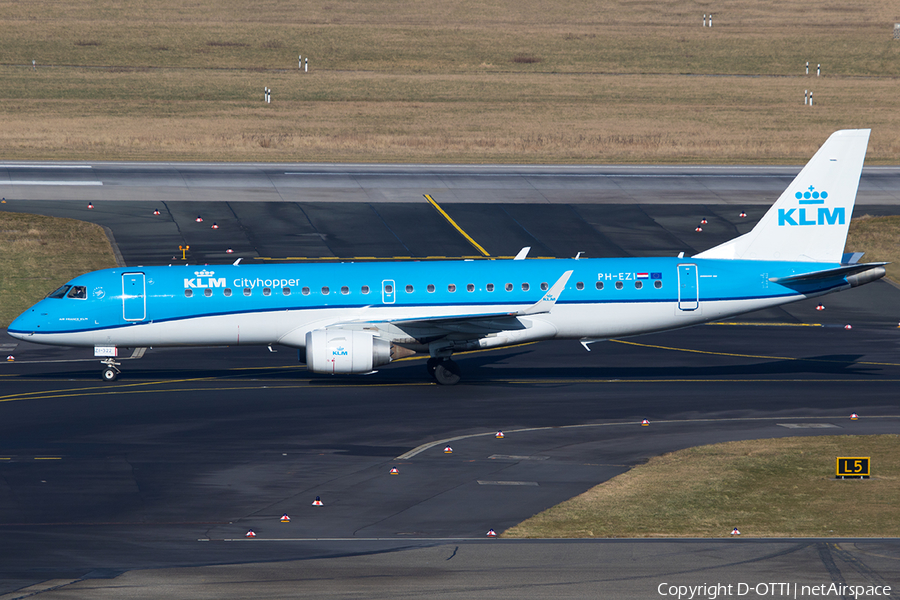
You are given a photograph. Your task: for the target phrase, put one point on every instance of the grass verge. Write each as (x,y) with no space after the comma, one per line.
(766,488)
(38,254)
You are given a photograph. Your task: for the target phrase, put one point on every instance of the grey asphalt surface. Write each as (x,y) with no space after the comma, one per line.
(146,487)
(563,184)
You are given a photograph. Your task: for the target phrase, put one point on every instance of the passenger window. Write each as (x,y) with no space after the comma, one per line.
(78,291)
(59,293)
(525,287)
(544,287)
(207,292)
(325,290)
(389,289)
(619,285)
(599,285)
(657,284)
(579,285)
(490,287)
(638,285)
(267,291)
(430,288)
(247,291)
(470,287)
(227,292)
(451,287)
(286,291)
(365,289)
(409,289)
(345,290)
(188,293)
(509,287)
(305,291)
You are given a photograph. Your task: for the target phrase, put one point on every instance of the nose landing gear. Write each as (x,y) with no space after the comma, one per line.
(111,371)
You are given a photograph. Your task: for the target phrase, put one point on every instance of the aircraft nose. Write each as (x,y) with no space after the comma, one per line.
(23,325)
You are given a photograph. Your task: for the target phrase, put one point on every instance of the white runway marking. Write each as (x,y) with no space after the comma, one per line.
(29,182)
(47,166)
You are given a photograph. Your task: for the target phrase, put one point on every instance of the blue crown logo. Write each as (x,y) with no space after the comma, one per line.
(811,216)
(811,196)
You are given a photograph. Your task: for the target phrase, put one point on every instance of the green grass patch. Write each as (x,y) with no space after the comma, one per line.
(38,254)
(766,488)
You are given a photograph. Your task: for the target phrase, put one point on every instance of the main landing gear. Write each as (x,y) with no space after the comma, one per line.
(111,371)
(443,370)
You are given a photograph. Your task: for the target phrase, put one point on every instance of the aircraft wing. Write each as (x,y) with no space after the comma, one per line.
(540,307)
(475,323)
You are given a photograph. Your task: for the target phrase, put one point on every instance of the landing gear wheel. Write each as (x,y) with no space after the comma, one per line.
(109,374)
(431,365)
(447,372)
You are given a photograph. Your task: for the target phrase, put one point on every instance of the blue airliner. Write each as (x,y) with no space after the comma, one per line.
(355,317)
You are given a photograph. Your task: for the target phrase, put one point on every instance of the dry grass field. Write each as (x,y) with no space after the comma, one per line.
(459,81)
(39,254)
(766,488)
(879,237)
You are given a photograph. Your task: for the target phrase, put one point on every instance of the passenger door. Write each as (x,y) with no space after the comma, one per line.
(134,300)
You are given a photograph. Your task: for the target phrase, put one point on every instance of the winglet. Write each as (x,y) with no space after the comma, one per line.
(523,253)
(546,303)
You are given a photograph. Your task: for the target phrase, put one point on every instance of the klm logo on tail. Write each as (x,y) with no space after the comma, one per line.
(816,216)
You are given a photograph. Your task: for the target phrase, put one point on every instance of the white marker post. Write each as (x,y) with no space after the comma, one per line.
(807,67)
(704,19)
(805,97)
(306,65)
(818,70)
(810,98)
(710,19)
(300,61)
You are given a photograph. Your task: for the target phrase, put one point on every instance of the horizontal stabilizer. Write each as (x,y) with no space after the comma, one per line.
(842,271)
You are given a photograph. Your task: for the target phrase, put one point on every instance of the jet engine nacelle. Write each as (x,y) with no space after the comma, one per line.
(345,351)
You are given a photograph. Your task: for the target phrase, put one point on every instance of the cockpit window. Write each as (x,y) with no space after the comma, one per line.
(60,293)
(77,291)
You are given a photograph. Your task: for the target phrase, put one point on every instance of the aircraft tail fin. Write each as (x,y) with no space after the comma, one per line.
(809,222)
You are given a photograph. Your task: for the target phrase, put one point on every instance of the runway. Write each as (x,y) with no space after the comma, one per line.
(378,183)
(147,486)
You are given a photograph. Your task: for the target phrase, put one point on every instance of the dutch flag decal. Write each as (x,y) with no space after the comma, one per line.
(642,275)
